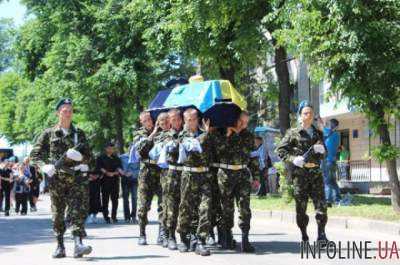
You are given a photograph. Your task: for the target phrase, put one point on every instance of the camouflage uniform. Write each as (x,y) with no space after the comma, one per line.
(160,138)
(235,150)
(195,189)
(215,208)
(65,190)
(171,190)
(149,177)
(307,181)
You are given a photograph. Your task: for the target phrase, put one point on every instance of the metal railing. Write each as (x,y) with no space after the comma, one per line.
(355,170)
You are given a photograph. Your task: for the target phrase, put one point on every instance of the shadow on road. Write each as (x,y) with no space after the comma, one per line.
(263,248)
(124,257)
(21,231)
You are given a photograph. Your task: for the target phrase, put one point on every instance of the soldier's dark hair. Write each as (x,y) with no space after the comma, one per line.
(259,138)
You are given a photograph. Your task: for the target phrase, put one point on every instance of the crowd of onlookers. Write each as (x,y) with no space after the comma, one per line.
(19,186)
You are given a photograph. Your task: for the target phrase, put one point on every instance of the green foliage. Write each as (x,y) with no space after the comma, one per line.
(6,38)
(102,54)
(352,44)
(386,152)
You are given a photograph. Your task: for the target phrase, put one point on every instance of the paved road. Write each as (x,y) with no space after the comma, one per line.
(29,240)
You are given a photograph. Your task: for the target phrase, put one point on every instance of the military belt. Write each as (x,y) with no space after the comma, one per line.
(195,169)
(179,168)
(215,164)
(232,167)
(149,161)
(310,165)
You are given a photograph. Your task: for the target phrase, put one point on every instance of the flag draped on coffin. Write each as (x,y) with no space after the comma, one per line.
(214,97)
(203,95)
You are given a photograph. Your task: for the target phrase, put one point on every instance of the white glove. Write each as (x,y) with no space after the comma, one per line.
(298,161)
(49,170)
(82,168)
(74,155)
(319,148)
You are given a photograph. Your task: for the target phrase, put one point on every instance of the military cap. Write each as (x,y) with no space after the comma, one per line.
(63,101)
(302,105)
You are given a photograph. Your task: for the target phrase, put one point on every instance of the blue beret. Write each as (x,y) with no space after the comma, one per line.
(63,102)
(302,105)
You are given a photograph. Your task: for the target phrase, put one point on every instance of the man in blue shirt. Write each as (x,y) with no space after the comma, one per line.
(329,166)
(129,184)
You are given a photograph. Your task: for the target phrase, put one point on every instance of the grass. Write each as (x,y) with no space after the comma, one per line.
(363,206)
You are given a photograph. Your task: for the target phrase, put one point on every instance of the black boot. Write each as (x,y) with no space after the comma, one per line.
(322,240)
(185,243)
(60,251)
(246,246)
(211,238)
(229,242)
(201,248)
(165,238)
(171,240)
(161,234)
(80,249)
(142,237)
(321,222)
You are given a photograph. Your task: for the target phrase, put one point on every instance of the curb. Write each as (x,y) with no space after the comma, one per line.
(337,222)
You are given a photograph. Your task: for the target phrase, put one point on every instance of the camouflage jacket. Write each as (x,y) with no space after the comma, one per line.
(297,142)
(143,145)
(52,144)
(196,159)
(172,156)
(235,149)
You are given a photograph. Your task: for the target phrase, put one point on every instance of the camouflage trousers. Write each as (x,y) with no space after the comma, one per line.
(171,198)
(148,186)
(215,208)
(195,204)
(235,184)
(309,183)
(72,192)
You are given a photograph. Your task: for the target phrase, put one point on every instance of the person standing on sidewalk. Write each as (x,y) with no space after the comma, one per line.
(109,164)
(68,183)
(303,149)
(329,165)
(129,185)
(6,185)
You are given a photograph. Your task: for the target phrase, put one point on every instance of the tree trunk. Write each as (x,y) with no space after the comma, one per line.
(282,72)
(228,73)
(390,166)
(118,102)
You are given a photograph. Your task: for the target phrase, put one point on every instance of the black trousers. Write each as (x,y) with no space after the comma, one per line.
(34,192)
(94,197)
(21,201)
(110,190)
(263,189)
(5,193)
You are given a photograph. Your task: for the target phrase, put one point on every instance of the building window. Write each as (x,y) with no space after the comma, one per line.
(355,134)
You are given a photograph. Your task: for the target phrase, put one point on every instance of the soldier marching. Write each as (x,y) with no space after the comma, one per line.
(189,165)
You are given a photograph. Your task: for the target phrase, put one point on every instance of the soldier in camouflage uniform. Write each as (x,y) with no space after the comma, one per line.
(66,189)
(235,181)
(302,148)
(172,180)
(149,174)
(158,142)
(195,183)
